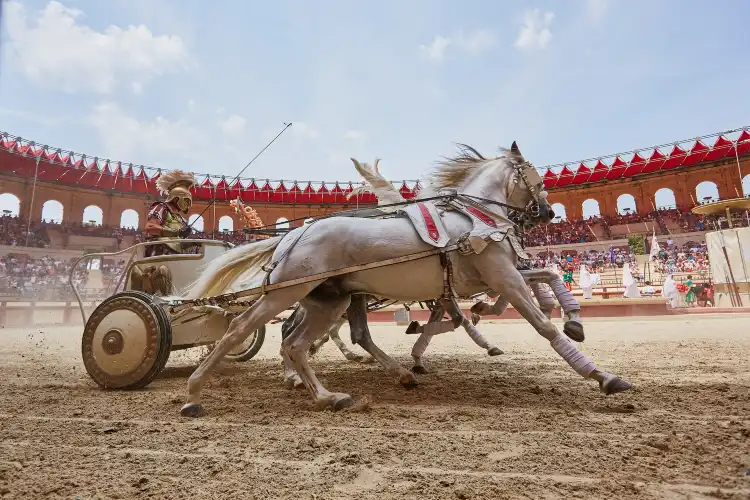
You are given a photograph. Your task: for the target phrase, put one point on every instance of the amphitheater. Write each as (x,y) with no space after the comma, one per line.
(520,425)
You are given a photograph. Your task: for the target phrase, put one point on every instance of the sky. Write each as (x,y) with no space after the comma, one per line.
(176,84)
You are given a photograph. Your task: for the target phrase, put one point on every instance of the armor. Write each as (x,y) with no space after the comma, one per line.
(172,213)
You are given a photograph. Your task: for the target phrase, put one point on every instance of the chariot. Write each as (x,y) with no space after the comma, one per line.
(128,337)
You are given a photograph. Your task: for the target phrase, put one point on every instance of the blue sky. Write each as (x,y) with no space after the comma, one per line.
(174,83)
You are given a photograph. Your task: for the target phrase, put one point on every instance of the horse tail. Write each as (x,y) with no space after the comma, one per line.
(376,183)
(247,260)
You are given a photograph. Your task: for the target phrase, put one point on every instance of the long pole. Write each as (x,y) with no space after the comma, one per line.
(31,205)
(286,126)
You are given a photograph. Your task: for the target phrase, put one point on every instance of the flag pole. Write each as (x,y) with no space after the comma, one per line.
(33,194)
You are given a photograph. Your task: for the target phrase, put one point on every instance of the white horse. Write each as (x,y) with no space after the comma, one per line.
(485,260)
(388,195)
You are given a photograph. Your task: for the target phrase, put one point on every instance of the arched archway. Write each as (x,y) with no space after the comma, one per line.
(93,215)
(664,198)
(706,192)
(590,208)
(196,222)
(9,204)
(52,211)
(746,185)
(129,219)
(226,223)
(559,209)
(626,204)
(282,223)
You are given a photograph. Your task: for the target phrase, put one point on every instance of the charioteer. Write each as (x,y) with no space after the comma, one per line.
(168,219)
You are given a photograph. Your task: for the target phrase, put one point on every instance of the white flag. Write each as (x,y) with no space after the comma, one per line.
(654,248)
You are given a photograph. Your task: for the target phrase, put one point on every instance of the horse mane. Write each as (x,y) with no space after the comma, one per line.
(453,171)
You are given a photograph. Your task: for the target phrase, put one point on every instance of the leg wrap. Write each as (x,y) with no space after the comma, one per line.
(564,296)
(435,328)
(420,346)
(475,335)
(573,356)
(543,296)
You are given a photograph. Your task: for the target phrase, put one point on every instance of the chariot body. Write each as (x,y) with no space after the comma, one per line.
(128,337)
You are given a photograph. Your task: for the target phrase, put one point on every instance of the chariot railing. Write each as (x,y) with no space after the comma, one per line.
(133,250)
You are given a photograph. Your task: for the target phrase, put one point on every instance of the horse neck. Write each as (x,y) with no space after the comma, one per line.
(490,183)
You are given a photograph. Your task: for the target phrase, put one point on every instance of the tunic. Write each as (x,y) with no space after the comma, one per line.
(169,219)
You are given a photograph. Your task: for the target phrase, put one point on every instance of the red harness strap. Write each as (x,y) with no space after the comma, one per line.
(429,222)
(481,216)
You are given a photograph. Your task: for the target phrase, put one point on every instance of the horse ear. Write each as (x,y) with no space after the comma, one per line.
(514,148)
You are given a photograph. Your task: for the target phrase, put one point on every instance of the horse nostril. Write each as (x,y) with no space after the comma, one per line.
(551,214)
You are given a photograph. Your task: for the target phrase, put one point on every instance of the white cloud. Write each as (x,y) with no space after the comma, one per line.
(473,43)
(596,8)
(54,49)
(535,33)
(436,49)
(302,129)
(124,136)
(233,125)
(354,135)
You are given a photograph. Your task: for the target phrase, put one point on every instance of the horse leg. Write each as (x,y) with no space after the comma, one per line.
(454,310)
(573,327)
(319,343)
(423,341)
(499,271)
(357,314)
(291,379)
(333,333)
(260,313)
(319,316)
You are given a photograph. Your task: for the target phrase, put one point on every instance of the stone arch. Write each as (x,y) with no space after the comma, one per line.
(129,219)
(590,208)
(706,191)
(196,222)
(746,185)
(93,215)
(52,211)
(560,212)
(664,198)
(226,223)
(10,204)
(282,223)
(626,204)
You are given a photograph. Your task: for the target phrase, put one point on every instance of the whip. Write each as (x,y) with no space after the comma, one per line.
(286,126)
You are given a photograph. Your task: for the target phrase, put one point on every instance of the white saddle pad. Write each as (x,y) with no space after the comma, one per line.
(428,223)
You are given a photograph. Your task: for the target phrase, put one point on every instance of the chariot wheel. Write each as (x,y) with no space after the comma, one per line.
(126,341)
(250,347)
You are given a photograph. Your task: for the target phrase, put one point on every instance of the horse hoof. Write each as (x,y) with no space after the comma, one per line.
(408,380)
(191,410)
(614,385)
(342,403)
(292,382)
(574,330)
(419,370)
(494,351)
(475,319)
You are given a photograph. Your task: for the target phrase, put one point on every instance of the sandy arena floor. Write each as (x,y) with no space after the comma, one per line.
(521,425)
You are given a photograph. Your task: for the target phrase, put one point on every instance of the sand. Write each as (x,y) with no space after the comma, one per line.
(520,425)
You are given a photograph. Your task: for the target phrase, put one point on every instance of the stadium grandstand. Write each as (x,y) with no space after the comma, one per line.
(58,204)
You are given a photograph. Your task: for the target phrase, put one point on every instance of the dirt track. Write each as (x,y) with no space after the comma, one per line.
(521,425)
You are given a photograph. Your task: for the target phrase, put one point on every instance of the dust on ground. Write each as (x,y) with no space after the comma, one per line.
(520,425)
